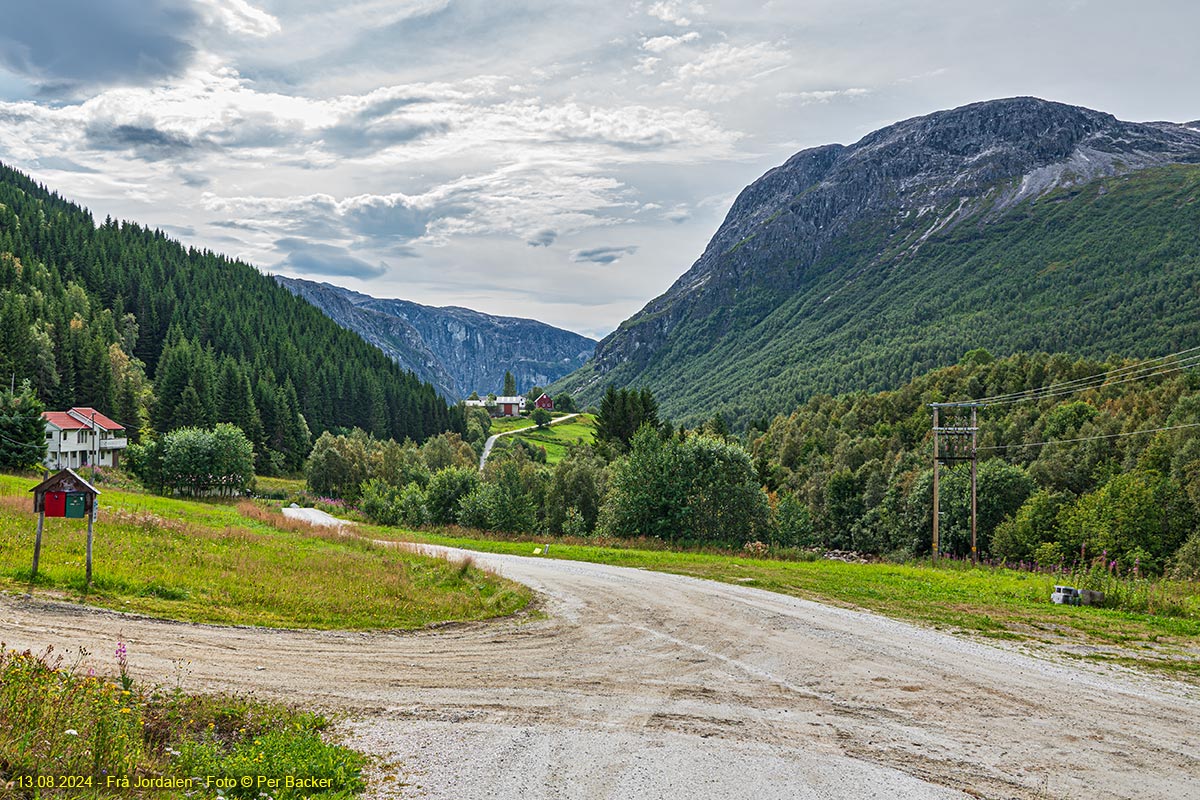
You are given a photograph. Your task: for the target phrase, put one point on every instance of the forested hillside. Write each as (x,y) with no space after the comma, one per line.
(1016,225)
(1061,473)
(1096,467)
(124,319)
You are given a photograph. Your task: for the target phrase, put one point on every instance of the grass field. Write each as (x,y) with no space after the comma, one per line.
(557,438)
(278,487)
(64,734)
(996,603)
(237,563)
(505,424)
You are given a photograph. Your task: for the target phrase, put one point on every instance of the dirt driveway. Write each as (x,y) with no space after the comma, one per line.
(634,684)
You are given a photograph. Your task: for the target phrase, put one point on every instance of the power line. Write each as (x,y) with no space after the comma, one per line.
(17,443)
(1126,373)
(1091,438)
(1152,363)
(1045,394)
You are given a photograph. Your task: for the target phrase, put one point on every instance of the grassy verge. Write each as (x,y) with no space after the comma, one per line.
(558,438)
(65,734)
(237,563)
(278,488)
(995,603)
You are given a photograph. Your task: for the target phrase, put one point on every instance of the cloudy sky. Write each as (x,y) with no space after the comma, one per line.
(558,159)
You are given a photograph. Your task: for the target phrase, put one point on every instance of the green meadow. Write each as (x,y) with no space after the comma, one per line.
(557,439)
(237,563)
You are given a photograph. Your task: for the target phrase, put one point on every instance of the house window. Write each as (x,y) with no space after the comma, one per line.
(82,437)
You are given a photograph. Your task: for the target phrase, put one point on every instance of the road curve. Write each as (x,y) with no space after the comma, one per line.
(491,440)
(636,684)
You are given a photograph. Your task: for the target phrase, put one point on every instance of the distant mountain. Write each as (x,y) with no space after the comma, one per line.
(456,349)
(1013,225)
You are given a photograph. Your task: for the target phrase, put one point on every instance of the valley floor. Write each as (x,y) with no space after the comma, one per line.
(633,684)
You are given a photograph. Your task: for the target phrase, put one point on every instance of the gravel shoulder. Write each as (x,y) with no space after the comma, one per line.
(315,516)
(636,684)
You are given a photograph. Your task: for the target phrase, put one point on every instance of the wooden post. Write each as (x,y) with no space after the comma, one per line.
(88,568)
(37,545)
(936,511)
(974,441)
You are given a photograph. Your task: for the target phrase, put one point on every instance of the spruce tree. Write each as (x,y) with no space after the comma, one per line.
(22,429)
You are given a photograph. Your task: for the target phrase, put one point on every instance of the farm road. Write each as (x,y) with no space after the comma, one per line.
(491,440)
(636,684)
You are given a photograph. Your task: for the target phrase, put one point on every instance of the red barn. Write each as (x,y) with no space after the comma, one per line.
(544,402)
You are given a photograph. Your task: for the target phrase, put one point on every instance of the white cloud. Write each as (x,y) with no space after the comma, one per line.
(673,11)
(238,16)
(724,71)
(646,65)
(661,44)
(821,96)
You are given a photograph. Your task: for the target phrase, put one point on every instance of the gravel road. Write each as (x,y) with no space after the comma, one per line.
(315,516)
(634,684)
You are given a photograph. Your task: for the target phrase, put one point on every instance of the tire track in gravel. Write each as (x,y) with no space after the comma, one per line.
(642,684)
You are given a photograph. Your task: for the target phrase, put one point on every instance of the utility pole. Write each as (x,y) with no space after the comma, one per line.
(954,440)
(936,470)
(96,446)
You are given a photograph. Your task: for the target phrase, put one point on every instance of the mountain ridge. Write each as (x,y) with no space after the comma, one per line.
(834,214)
(457,349)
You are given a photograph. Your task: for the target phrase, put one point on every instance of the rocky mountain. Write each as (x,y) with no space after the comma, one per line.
(1008,225)
(456,349)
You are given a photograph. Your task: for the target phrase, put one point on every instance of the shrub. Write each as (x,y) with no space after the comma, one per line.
(1185,566)
(413,509)
(446,490)
(195,461)
(793,523)
(380,502)
(574,524)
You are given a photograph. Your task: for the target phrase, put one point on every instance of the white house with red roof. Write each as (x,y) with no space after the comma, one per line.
(81,437)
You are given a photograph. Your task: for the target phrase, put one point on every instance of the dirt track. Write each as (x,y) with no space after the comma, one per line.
(642,685)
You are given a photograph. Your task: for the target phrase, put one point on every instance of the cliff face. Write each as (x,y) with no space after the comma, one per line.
(458,350)
(851,209)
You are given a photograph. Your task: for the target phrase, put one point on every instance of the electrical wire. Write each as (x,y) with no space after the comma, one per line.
(1151,363)
(1142,369)
(1088,438)
(1099,384)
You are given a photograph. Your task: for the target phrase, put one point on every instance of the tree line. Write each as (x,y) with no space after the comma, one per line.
(853,472)
(157,336)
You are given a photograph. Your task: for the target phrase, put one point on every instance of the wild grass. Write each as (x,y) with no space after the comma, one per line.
(278,488)
(65,734)
(237,563)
